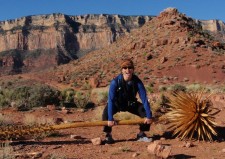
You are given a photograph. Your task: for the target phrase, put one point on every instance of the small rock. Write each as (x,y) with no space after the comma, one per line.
(135,154)
(188,144)
(152,148)
(96,141)
(166,152)
(163,59)
(57,147)
(75,137)
(223,150)
(65,111)
(38,155)
(51,107)
(156,148)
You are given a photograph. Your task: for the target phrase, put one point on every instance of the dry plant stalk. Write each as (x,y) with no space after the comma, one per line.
(14,132)
(190,114)
(23,131)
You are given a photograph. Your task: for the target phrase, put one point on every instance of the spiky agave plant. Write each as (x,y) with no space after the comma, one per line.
(190,114)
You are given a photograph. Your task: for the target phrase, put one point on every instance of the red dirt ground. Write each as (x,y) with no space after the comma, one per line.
(63,146)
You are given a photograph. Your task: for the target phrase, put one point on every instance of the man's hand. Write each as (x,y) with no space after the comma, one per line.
(148,121)
(111,123)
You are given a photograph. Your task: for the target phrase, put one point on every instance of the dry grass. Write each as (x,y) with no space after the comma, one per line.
(30,119)
(6,151)
(118,116)
(5,119)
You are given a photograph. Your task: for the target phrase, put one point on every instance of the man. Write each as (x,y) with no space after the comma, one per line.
(122,97)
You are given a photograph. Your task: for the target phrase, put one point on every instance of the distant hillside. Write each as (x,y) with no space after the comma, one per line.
(35,43)
(38,42)
(170,49)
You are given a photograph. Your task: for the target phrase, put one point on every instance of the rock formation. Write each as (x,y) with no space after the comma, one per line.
(37,42)
(56,38)
(216,27)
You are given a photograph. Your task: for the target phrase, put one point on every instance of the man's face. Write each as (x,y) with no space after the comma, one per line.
(127,73)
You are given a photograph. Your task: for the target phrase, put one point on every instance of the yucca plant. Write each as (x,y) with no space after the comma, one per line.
(191,116)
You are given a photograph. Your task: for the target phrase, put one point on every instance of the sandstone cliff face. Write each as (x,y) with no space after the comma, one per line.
(71,32)
(69,36)
(36,42)
(213,25)
(216,27)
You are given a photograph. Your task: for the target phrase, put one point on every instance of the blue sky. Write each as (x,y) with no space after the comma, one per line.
(197,9)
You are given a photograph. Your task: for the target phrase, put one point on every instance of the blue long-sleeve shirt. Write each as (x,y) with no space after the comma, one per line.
(113,95)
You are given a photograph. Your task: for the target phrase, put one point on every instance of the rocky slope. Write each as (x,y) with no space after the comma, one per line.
(38,42)
(171,48)
(48,40)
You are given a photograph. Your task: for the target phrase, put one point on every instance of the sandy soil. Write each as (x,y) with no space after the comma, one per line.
(61,145)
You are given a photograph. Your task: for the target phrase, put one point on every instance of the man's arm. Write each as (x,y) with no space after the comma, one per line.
(111,99)
(143,95)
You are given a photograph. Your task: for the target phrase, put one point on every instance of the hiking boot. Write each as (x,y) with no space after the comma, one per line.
(143,137)
(109,139)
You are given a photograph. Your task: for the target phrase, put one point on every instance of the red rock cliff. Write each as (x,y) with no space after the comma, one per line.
(61,37)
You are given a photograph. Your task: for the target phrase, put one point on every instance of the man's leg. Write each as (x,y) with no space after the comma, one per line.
(108,129)
(139,110)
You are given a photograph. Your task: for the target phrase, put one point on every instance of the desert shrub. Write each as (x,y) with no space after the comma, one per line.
(223,89)
(29,97)
(164,100)
(29,119)
(103,97)
(6,120)
(150,89)
(98,113)
(1,119)
(41,95)
(160,107)
(125,116)
(6,150)
(5,97)
(194,87)
(86,86)
(67,97)
(177,88)
(162,88)
(82,99)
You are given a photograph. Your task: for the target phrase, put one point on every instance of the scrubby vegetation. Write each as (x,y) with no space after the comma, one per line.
(27,97)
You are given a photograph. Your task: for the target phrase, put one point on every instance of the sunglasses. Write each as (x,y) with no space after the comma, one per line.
(127,68)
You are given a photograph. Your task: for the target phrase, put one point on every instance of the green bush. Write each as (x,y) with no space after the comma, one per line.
(162,88)
(29,97)
(177,88)
(67,97)
(150,89)
(103,97)
(194,87)
(82,99)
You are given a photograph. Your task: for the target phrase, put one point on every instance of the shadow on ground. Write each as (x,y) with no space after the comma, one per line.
(181,156)
(79,141)
(220,135)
